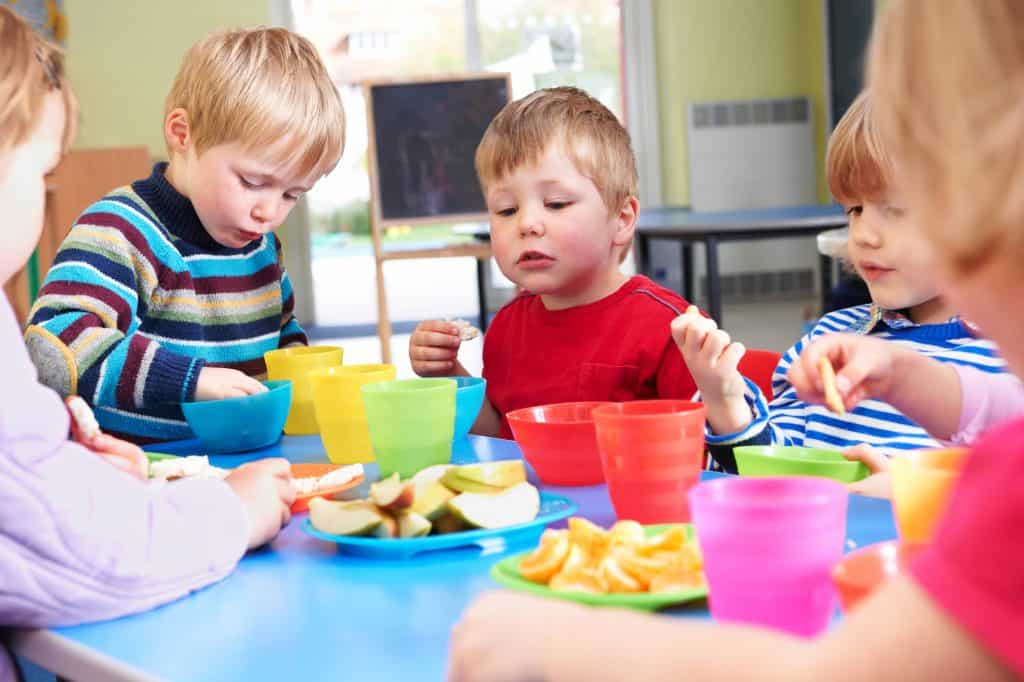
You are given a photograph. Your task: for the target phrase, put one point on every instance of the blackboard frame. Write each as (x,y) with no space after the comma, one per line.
(377,217)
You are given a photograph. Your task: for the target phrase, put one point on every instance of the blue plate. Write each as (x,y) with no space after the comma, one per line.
(552,508)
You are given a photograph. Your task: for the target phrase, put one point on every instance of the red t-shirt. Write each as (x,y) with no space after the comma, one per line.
(619,348)
(974,569)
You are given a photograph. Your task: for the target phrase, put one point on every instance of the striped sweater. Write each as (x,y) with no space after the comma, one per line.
(791,421)
(140,298)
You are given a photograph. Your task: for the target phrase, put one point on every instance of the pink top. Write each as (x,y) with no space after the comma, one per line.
(82,541)
(987,400)
(974,569)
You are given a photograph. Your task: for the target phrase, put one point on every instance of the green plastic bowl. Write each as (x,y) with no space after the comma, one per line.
(778,460)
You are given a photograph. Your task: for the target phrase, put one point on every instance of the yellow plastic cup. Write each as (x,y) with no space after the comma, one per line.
(340,412)
(921,485)
(294,364)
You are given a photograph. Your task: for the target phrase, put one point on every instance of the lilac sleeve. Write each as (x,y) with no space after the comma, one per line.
(82,541)
(987,400)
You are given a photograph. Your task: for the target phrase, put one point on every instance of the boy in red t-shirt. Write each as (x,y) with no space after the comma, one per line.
(560,181)
(947,79)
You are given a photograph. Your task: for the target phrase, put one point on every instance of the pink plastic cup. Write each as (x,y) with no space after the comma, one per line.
(651,452)
(769,545)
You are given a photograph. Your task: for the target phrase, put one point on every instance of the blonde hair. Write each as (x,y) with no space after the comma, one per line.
(259,87)
(30,69)
(591,136)
(858,167)
(948,82)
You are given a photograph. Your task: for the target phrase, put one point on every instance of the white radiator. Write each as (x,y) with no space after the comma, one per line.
(750,154)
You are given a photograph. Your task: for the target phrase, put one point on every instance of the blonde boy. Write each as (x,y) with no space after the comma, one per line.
(171,289)
(559,179)
(907,310)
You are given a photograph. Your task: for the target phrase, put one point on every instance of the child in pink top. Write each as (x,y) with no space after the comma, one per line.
(948,81)
(80,539)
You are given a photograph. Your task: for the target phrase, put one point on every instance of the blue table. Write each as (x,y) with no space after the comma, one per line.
(299,610)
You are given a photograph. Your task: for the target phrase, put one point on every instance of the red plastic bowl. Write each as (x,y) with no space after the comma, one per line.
(559,442)
(860,572)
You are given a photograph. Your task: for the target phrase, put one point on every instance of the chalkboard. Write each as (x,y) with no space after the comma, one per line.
(423,138)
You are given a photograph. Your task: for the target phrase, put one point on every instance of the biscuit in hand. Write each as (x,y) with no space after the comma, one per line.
(833,399)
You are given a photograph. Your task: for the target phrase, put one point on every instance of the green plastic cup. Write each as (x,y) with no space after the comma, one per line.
(780,460)
(411,423)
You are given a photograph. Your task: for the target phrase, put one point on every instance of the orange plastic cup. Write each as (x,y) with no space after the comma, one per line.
(651,452)
(921,485)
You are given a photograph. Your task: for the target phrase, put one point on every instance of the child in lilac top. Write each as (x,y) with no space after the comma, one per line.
(81,540)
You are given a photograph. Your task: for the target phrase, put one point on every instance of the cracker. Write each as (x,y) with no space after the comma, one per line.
(85,419)
(193,466)
(833,400)
(467,331)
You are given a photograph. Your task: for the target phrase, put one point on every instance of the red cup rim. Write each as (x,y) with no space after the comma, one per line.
(524,414)
(671,408)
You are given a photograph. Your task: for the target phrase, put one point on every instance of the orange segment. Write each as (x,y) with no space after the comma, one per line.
(670,539)
(589,537)
(578,580)
(616,578)
(546,560)
(676,580)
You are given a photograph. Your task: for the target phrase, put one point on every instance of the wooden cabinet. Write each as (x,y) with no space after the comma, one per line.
(82,177)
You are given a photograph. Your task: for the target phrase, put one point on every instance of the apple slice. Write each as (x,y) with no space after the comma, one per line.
(517,504)
(388,527)
(412,525)
(356,517)
(392,494)
(448,523)
(459,484)
(432,474)
(503,474)
(432,501)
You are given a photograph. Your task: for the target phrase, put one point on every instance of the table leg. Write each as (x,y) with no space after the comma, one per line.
(481,290)
(826,281)
(711,272)
(643,255)
(687,274)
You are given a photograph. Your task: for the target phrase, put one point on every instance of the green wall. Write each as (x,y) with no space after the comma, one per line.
(733,49)
(123,54)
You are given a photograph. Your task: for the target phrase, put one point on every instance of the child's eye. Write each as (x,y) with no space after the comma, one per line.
(854,210)
(247,183)
(894,211)
(291,197)
(558,205)
(506,212)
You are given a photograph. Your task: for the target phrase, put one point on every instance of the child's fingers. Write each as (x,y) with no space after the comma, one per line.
(805,387)
(424,367)
(437,326)
(715,342)
(730,358)
(247,385)
(436,339)
(696,332)
(875,461)
(432,353)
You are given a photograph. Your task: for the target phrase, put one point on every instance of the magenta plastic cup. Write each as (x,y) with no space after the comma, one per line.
(769,545)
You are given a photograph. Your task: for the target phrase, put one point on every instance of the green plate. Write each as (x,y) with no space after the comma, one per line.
(506,573)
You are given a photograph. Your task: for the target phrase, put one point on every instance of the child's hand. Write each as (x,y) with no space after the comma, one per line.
(434,348)
(879,483)
(863,366)
(125,456)
(267,494)
(504,636)
(216,383)
(712,358)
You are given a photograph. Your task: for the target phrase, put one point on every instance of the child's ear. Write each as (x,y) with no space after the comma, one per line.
(177,132)
(625,221)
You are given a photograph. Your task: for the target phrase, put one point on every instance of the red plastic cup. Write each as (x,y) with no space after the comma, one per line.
(769,545)
(559,442)
(651,452)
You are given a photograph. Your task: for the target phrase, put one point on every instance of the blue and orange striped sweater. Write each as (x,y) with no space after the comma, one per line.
(140,298)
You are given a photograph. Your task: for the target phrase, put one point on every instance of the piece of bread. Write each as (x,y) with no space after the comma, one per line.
(193,466)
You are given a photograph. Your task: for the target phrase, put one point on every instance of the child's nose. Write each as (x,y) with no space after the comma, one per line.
(530,222)
(264,211)
(865,232)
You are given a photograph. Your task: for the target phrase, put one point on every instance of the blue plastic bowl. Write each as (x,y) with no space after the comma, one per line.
(469,397)
(240,424)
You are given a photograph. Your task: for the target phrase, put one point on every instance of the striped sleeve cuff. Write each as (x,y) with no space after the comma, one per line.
(171,378)
(759,409)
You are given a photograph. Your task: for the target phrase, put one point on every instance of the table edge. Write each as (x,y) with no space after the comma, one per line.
(68,659)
